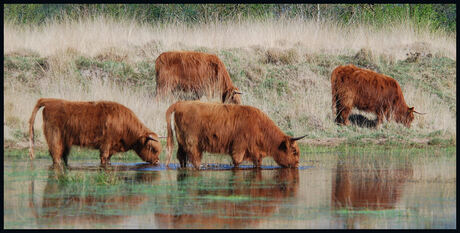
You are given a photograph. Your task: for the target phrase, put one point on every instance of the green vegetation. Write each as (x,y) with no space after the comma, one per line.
(434,16)
(309,153)
(383,212)
(85,178)
(231,198)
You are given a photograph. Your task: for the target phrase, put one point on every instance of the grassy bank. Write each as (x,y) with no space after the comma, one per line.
(282,66)
(308,152)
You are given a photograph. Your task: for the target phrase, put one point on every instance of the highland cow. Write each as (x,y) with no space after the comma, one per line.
(194,73)
(368,91)
(107,126)
(244,132)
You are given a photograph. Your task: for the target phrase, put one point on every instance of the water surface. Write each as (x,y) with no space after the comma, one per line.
(347,193)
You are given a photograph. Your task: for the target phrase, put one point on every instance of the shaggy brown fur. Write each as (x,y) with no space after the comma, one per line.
(196,73)
(244,132)
(104,125)
(368,91)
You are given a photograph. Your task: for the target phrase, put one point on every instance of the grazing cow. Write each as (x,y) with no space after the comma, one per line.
(196,73)
(104,125)
(244,132)
(368,91)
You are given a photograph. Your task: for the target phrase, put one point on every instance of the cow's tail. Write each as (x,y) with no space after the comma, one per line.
(40,103)
(170,140)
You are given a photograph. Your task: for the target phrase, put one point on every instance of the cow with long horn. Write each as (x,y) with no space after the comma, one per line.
(244,132)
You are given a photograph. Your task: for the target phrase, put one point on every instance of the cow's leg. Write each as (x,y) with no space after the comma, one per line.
(237,158)
(55,144)
(65,154)
(104,155)
(257,161)
(379,118)
(344,115)
(338,113)
(56,150)
(195,156)
(181,156)
(346,105)
(388,114)
(108,159)
(256,158)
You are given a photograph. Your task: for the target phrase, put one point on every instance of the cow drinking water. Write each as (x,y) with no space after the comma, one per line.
(107,126)
(244,132)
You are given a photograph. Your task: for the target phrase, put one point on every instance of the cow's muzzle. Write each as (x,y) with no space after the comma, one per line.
(155,162)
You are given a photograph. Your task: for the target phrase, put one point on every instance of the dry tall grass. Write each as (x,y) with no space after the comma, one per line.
(91,36)
(305,110)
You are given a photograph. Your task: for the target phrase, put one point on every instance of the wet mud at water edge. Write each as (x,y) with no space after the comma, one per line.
(343,191)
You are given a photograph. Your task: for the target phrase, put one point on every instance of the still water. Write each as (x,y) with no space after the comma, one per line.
(347,193)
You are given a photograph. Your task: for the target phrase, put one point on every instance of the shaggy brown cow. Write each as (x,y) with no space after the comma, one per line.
(368,91)
(196,73)
(104,125)
(244,132)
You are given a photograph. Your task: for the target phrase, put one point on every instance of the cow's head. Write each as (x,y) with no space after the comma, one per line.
(407,116)
(232,96)
(149,148)
(288,152)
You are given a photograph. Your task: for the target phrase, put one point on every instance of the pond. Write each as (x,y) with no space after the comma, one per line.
(410,189)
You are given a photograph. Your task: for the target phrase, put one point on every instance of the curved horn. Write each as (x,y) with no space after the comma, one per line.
(151,138)
(419,113)
(297,138)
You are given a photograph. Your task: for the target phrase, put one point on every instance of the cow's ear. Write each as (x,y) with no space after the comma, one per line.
(411,109)
(284,145)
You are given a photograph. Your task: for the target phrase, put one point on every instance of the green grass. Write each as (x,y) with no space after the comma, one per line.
(84,178)
(231,198)
(386,213)
(363,151)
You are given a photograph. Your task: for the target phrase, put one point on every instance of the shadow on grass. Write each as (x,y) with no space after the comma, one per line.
(362,121)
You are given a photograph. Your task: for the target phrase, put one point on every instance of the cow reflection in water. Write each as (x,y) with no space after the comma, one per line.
(370,189)
(262,192)
(79,205)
